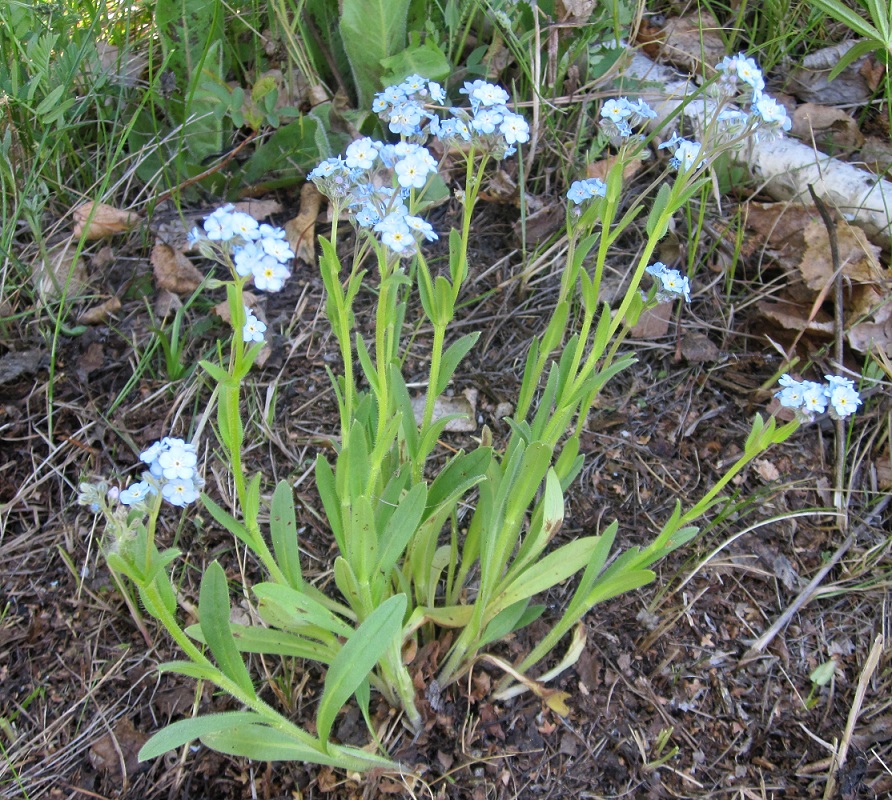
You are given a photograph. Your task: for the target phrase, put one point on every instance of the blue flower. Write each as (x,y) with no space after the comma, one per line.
(580,191)
(136,493)
(515,129)
(253,329)
(362,153)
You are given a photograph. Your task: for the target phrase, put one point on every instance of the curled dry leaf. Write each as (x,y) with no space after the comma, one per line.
(259,209)
(301,231)
(698,348)
(599,169)
(61,272)
(810,81)
(858,257)
(98,315)
(173,271)
(653,322)
(98,220)
(826,127)
(166,303)
(691,42)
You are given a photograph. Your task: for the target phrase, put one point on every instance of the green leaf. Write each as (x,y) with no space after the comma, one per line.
(292,609)
(371,30)
(326,485)
(229,522)
(199,672)
(345,580)
(216,372)
(463,472)
(536,461)
(362,538)
(853,54)
(617,585)
(656,211)
(265,743)
(380,631)
(269,641)
(213,610)
(451,359)
(283,532)
(427,60)
(404,405)
(365,360)
(555,568)
(401,526)
(186,730)
(503,623)
(843,13)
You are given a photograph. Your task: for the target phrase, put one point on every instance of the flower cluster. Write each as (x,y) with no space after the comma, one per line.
(581,191)
(373,179)
(684,153)
(259,251)
(173,470)
(769,116)
(253,329)
(672,283)
(620,115)
(809,398)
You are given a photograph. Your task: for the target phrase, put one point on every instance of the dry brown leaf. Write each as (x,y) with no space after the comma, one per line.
(122,71)
(16,364)
(575,10)
(698,348)
(301,231)
(119,745)
(876,154)
(98,315)
(794,317)
(810,81)
(106,220)
(173,271)
(884,469)
(766,470)
(691,42)
(166,303)
(826,126)
(858,257)
(873,309)
(779,229)
(259,209)
(599,169)
(653,322)
(60,273)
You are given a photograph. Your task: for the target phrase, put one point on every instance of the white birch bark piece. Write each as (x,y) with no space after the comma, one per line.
(785,166)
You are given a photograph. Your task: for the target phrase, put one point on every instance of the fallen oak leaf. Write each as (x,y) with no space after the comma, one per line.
(97,315)
(98,220)
(173,271)
(301,231)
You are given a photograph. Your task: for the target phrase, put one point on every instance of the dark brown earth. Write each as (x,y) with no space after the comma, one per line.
(79,692)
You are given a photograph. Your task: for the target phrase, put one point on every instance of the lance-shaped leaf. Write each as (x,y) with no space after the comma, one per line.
(380,631)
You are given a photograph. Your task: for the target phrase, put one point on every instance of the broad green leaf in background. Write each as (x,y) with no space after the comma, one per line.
(427,60)
(191,34)
(371,30)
